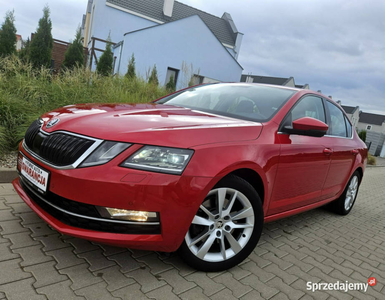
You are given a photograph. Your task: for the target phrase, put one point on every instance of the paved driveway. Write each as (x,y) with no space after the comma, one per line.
(37,262)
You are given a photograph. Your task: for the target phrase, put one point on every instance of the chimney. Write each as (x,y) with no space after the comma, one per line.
(168,7)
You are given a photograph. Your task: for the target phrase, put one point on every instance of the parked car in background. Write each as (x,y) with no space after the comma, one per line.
(200,170)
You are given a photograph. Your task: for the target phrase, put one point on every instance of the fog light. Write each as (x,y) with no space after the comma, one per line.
(128,215)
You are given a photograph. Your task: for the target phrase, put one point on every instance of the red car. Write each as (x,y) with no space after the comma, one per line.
(199,170)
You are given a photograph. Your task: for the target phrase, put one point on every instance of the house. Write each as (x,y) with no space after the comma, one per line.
(272,80)
(371,122)
(19,42)
(353,113)
(180,40)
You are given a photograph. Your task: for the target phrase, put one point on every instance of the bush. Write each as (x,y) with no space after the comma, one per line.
(170,86)
(131,73)
(74,56)
(362,135)
(8,35)
(154,77)
(26,93)
(371,160)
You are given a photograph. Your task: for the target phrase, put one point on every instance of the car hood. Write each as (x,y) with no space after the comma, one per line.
(154,124)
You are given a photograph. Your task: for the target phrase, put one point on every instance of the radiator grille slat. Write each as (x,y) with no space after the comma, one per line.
(59,149)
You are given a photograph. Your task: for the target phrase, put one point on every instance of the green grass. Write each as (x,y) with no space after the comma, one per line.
(25,94)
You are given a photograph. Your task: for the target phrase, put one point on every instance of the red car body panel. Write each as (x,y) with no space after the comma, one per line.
(291,168)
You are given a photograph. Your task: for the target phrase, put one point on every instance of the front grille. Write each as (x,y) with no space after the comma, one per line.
(82,209)
(59,149)
(31,132)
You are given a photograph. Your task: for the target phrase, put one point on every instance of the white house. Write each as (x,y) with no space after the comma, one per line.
(290,82)
(353,113)
(180,40)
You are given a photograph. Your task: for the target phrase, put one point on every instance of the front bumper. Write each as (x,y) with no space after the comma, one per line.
(175,198)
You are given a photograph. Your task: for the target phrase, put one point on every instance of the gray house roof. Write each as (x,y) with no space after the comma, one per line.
(266,79)
(371,118)
(349,109)
(154,9)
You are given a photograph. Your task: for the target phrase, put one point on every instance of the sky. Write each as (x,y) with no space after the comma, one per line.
(336,46)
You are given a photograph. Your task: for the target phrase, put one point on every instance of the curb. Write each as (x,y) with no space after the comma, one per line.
(7,175)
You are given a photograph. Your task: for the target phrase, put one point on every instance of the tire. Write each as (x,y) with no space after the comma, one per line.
(344,204)
(226,227)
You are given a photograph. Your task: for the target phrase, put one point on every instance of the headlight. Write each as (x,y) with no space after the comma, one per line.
(104,153)
(159,159)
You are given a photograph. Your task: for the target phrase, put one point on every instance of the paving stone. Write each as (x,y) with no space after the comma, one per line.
(238,289)
(11,271)
(40,229)
(97,260)
(29,218)
(52,242)
(12,198)
(110,250)
(147,281)
(131,292)
(136,253)
(176,281)
(21,290)
(60,290)
(2,204)
(21,239)
(125,261)
(6,253)
(65,258)
(285,276)
(45,274)
(32,255)
(239,273)
(154,263)
(225,294)
(6,215)
(95,292)
(280,296)
(81,245)
(263,275)
(300,285)
(194,294)
(163,293)
(19,208)
(265,290)
(114,278)
(80,276)
(179,264)
(253,295)
(209,286)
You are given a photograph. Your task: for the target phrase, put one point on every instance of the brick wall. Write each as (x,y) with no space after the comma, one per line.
(58,52)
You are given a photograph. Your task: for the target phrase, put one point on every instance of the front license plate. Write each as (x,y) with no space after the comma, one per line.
(34,174)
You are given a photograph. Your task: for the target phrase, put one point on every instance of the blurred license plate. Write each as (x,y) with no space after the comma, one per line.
(34,174)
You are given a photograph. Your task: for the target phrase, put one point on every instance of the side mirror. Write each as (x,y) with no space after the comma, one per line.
(307,126)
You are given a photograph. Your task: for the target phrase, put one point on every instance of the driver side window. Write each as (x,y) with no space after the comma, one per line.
(310,106)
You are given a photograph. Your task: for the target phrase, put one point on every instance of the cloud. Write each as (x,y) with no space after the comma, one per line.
(334,45)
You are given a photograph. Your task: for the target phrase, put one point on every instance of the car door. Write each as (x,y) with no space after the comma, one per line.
(303,163)
(339,139)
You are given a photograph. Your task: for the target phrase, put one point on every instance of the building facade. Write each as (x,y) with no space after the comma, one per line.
(181,41)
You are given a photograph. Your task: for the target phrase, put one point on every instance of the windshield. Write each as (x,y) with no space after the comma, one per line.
(248,102)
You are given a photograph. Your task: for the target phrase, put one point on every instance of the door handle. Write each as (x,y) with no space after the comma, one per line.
(355,151)
(328,151)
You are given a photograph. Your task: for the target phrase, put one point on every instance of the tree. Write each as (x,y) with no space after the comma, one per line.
(8,35)
(170,86)
(42,42)
(154,76)
(104,66)
(131,74)
(74,56)
(24,52)
(362,135)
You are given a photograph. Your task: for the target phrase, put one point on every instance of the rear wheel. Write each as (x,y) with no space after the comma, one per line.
(226,227)
(344,204)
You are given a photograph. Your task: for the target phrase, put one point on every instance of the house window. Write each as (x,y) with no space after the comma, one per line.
(172,72)
(369,127)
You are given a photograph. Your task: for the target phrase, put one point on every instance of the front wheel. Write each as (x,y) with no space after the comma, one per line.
(226,227)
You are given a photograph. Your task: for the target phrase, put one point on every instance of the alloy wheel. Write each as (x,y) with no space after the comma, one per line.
(222,226)
(351,193)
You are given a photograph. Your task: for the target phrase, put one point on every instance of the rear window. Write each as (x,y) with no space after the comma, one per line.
(248,102)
